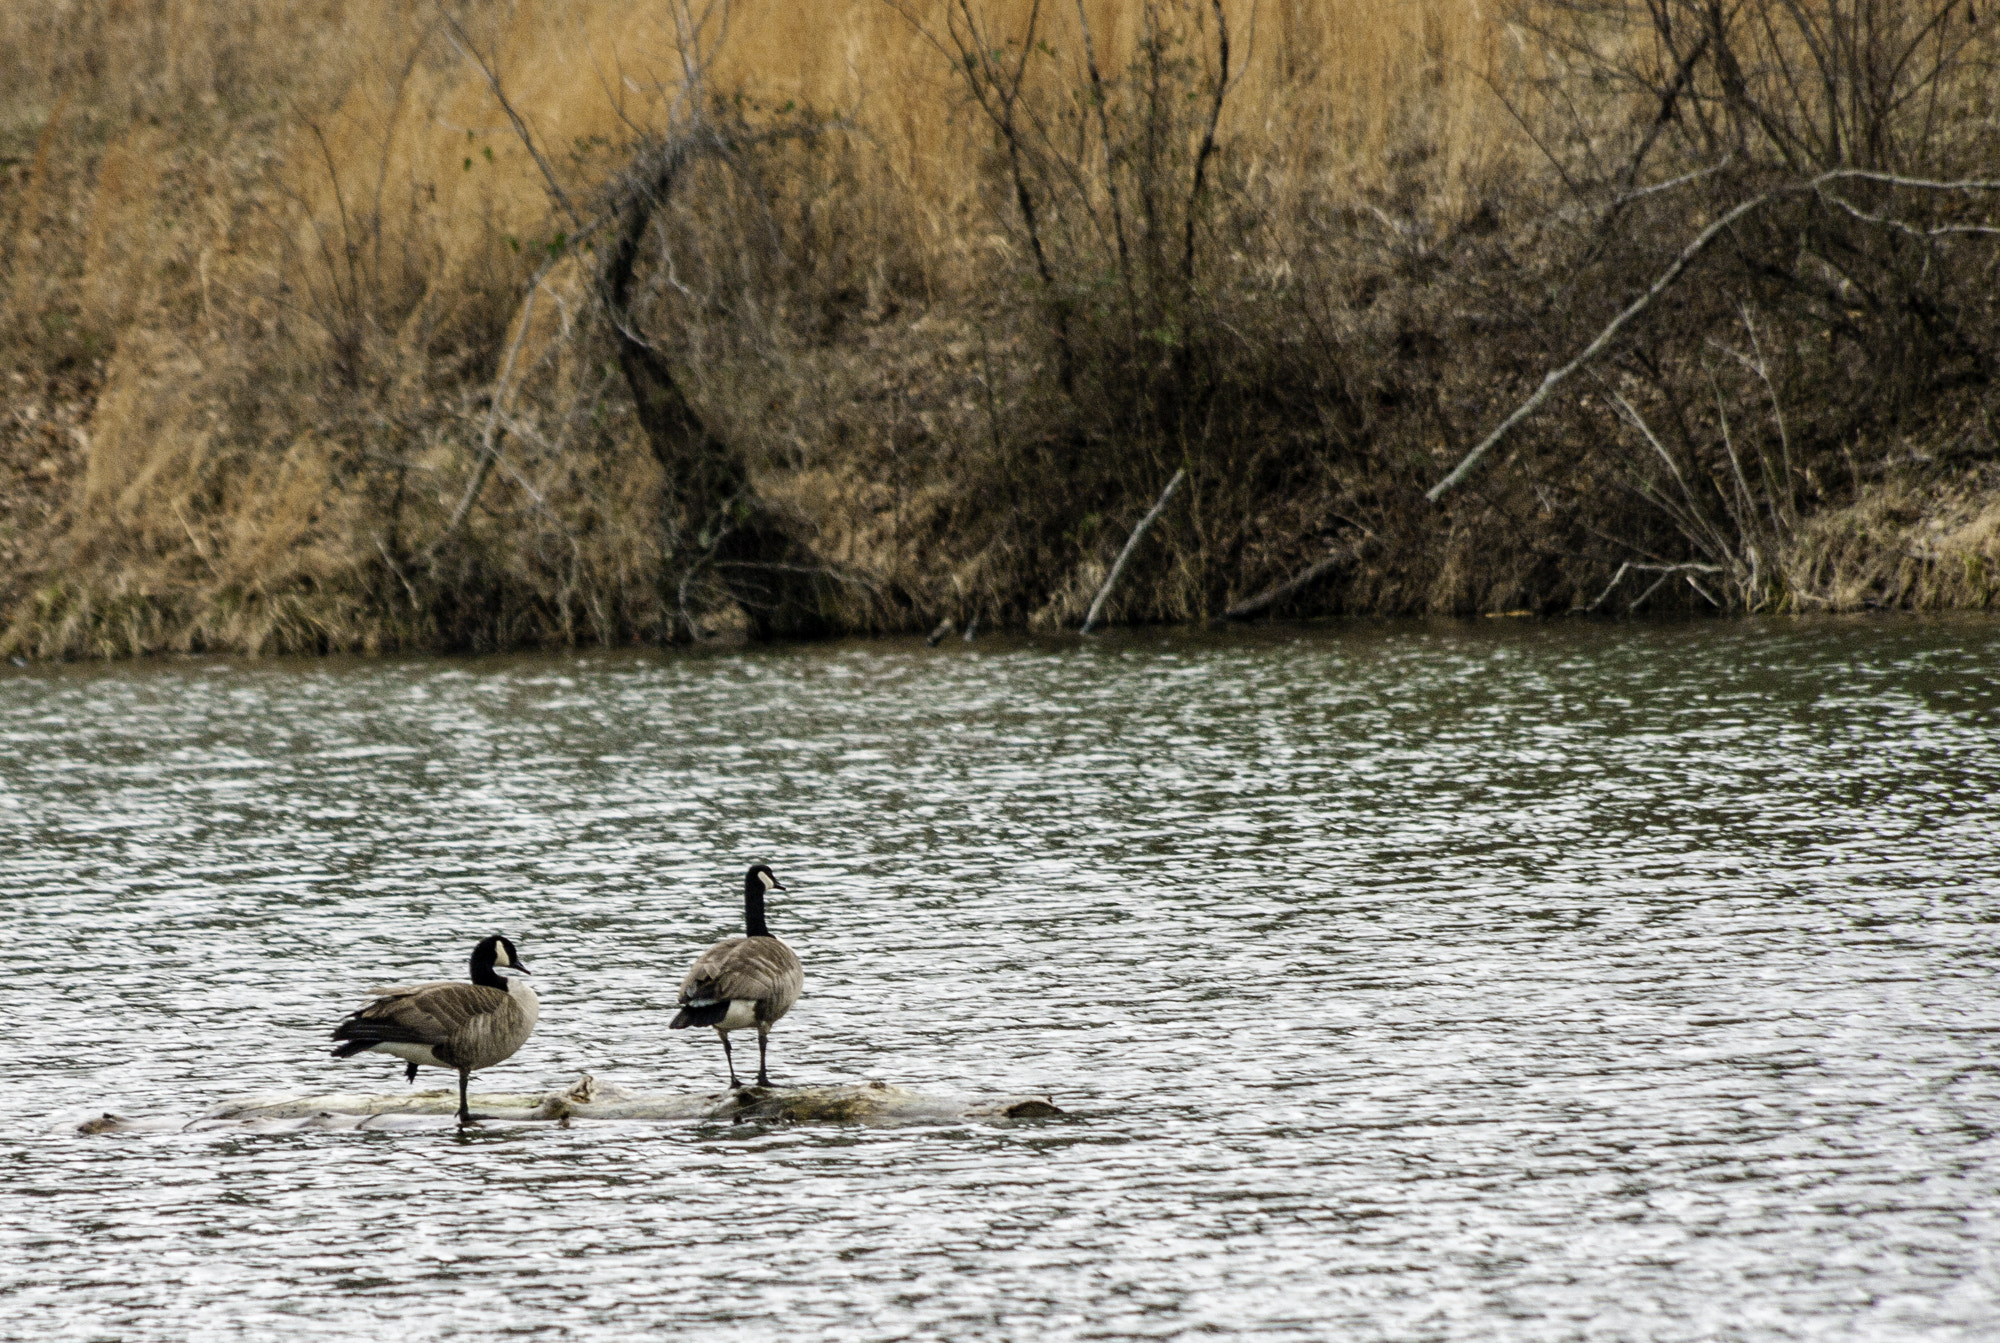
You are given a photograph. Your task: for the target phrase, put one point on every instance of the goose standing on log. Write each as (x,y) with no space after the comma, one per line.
(744,981)
(464,1027)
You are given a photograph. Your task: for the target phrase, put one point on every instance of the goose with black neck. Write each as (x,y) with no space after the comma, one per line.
(464,1027)
(745,981)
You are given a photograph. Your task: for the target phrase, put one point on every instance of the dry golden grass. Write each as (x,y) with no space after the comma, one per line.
(1914,543)
(419,142)
(226,208)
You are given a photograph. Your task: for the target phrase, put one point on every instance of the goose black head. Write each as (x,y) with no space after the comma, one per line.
(759,880)
(491,957)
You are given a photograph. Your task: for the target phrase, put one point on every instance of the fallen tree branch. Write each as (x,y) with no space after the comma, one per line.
(1590,351)
(844,1103)
(1270,597)
(1666,279)
(1131,544)
(1665,571)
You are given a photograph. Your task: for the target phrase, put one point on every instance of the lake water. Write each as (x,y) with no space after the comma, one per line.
(1499,980)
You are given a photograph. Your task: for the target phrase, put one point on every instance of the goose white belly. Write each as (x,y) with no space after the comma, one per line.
(409,1053)
(742,1015)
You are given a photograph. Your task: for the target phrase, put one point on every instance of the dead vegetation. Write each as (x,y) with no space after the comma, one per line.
(474,324)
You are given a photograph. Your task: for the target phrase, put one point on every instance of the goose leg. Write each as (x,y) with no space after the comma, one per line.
(763,1041)
(464,1112)
(730,1059)
(410,1073)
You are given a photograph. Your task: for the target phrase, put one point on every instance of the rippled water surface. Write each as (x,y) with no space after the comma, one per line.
(1405,982)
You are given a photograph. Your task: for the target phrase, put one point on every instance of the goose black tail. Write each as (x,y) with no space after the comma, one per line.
(347,1049)
(704,1014)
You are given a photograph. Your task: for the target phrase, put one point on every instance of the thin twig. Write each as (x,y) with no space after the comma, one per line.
(1616,579)
(1640,193)
(1641,600)
(1897,224)
(489,437)
(1131,544)
(397,570)
(1693,583)
(195,541)
(463,44)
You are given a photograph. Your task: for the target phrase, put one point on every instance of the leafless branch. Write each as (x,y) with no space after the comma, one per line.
(1131,544)
(1298,582)
(463,44)
(1665,281)
(1665,571)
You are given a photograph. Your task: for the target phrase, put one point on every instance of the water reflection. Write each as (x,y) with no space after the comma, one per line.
(1494,980)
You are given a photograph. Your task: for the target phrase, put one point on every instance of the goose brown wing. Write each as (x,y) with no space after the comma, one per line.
(429,1014)
(743,967)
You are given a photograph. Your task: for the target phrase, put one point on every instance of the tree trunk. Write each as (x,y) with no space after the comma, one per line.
(715,523)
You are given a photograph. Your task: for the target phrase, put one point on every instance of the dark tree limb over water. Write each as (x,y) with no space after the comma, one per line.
(1298,582)
(716,525)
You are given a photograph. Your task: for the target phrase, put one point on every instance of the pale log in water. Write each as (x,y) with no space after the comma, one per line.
(871,1103)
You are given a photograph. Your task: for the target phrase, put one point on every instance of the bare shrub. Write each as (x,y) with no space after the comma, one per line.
(1807,190)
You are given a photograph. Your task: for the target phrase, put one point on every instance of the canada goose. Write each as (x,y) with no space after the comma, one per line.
(745,981)
(447,1025)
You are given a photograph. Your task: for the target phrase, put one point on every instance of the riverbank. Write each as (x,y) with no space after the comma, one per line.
(890,315)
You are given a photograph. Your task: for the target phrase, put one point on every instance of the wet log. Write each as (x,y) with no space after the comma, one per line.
(875,1104)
